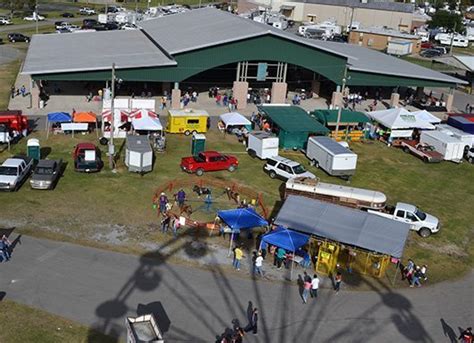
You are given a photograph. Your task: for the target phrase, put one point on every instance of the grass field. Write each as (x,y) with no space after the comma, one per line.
(21,323)
(83,204)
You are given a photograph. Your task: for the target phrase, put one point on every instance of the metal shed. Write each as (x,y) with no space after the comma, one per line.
(346,236)
(292,124)
(138,154)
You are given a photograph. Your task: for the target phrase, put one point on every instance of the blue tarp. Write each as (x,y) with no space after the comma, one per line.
(242,218)
(287,239)
(59,117)
(461,123)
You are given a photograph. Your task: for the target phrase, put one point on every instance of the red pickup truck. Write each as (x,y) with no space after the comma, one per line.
(208,161)
(15,120)
(423,151)
(87,158)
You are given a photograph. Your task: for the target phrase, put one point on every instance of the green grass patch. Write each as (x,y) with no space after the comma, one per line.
(8,73)
(21,323)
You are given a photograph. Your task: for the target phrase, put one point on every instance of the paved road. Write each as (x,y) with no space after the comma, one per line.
(49,21)
(100,288)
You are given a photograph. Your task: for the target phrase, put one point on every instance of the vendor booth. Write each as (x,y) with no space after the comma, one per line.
(187,121)
(426,116)
(286,239)
(354,239)
(55,119)
(121,123)
(235,120)
(292,124)
(144,120)
(400,122)
(89,118)
(351,123)
(120,114)
(241,219)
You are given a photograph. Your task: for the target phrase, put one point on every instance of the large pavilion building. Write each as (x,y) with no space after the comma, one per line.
(216,46)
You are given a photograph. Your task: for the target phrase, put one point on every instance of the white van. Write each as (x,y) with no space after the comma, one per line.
(332,157)
(450,147)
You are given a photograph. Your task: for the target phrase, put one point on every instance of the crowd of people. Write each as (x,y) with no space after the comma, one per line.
(5,249)
(415,274)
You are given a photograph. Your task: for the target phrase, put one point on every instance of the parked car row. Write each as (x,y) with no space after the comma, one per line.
(45,173)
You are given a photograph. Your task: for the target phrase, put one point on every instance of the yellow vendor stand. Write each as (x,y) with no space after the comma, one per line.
(187,121)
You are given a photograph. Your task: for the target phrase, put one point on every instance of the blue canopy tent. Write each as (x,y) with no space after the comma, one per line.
(57,117)
(287,239)
(241,219)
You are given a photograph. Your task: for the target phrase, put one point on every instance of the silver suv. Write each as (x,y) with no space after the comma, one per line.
(285,168)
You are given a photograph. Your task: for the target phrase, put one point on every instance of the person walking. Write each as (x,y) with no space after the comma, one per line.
(467,108)
(281,253)
(337,282)
(23,91)
(415,279)
(253,323)
(306,289)
(165,222)
(208,202)
(5,248)
(12,91)
(181,197)
(466,336)
(258,264)
(314,286)
(238,255)
(175,225)
(163,202)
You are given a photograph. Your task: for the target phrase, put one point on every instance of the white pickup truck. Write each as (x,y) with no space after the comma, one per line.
(14,171)
(425,224)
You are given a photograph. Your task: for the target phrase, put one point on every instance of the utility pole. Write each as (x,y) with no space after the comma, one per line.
(452,40)
(112,120)
(352,18)
(339,111)
(36,16)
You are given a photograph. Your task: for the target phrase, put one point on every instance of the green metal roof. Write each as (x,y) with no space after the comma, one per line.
(347,116)
(293,119)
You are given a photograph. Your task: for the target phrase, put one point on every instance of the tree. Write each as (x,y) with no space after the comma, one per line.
(18,5)
(450,21)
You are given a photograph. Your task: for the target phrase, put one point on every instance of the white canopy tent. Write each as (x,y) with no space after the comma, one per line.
(426,116)
(234,119)
(146,121)
(399,118)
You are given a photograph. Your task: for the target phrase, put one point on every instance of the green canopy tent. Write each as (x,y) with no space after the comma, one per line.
(292,124)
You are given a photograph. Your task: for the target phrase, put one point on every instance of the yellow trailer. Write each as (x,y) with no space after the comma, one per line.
(187,121)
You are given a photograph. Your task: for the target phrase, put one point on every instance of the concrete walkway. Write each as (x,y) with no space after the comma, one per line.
(99,288)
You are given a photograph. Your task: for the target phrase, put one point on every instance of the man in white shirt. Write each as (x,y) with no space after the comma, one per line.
(258,264)
(314,286)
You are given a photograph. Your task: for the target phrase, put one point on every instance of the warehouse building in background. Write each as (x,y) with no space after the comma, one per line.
(394,15)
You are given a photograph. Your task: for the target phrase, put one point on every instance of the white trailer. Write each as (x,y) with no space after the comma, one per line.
(138,154)
(262,144)
(331,156)
(467,138)
(450,147)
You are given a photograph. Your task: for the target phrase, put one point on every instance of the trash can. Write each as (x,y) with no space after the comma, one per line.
(33,149)
(198,143)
